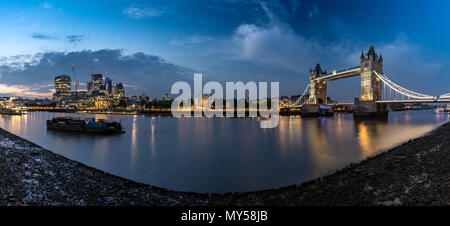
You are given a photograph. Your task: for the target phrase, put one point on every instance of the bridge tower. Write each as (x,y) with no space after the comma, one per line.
(371,88)
(317,88)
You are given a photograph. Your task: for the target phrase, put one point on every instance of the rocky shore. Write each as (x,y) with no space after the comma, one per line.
(415,173)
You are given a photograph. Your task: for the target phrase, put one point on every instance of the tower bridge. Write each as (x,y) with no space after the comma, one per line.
(346,73)
(377,89)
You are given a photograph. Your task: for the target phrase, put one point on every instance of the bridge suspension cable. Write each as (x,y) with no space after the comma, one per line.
(296,102)
(400,90)
(445,96)
(395,92)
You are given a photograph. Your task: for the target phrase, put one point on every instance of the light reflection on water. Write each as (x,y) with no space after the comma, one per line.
(222,154)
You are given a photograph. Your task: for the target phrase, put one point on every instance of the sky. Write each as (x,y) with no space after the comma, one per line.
(150,44)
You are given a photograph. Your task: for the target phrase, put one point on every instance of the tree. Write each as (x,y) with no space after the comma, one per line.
(122,103)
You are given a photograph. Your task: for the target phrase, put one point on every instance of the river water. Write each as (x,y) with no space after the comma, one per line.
(226,154)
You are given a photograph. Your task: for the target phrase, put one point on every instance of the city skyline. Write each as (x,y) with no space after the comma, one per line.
(247,105)
(149,45)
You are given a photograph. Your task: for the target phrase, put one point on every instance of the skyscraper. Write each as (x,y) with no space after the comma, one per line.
(119,90)
(97,80)
(94,86)
(108,86)
(63,86)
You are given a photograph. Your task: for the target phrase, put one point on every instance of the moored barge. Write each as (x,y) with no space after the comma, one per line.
(89,125)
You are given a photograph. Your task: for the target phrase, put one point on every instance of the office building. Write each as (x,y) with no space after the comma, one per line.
(63,87)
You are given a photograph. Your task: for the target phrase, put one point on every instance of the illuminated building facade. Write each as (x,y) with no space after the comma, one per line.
(102,103)
(119,90)
(371,85)
(317,88)
(95,85)
(108,86)
(100,94)
(63,87)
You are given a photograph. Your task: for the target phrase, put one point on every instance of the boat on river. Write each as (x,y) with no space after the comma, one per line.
(89,125)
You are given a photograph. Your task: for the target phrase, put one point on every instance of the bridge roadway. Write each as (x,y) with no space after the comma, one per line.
(346,73)
(446,100)
(429,101)
(356,71)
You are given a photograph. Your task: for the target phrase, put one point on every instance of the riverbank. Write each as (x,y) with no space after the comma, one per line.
(415,173)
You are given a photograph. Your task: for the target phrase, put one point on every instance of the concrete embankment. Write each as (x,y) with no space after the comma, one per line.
(415,173)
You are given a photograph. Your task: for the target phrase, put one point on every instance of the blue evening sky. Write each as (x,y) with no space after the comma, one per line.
(149,44)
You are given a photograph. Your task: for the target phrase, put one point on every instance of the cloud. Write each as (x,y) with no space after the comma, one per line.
(275,46)
(139,11)
(42,36)
(47,5)
(21,90)
(405,62)
(191,40)
(18,62)
(75,39)
(314,11)
(142,73)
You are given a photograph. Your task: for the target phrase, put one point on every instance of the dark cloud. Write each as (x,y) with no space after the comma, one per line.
(284,49)
(139,72)
(75,39)
(42,36)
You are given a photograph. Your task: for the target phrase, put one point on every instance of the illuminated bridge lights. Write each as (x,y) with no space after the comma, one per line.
(399,91)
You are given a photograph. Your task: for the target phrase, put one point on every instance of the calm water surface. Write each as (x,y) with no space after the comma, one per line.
(226,154)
